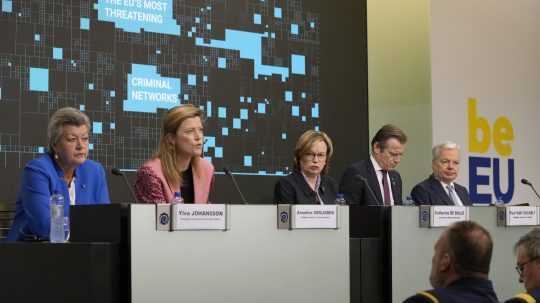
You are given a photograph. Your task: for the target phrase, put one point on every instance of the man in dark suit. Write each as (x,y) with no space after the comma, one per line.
(374,181)
(460,267)
(528,267)
(440,188)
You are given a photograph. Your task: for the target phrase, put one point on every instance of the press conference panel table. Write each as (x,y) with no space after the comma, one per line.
(253,261)
(70,272)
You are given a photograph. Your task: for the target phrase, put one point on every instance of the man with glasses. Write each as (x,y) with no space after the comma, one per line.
(528,267)
(440,188)
(374,181)
(460,267)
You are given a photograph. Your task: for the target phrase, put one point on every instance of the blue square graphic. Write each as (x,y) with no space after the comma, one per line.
(257,19)
(236,123)
(91,146)
(197,20)
(41,149)
(222,112)
(247,161)
(90,86)
(288,96)
(315,110)
(298,64)
(37,37)
(85,23)
(312,24)
(208,26)
(295,111)
(39,79)
(243,114)
(192,79)
(277,12)
(7,6)
(261,108)
(82,107)
(113,125)
(294,29)
(225,131)
(218,152)
(205,78)
(283,136)
(57,53)
(208,108)
(222,62)
(97,127)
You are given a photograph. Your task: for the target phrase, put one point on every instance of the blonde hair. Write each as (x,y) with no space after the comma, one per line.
(306,141)
(172,120)
(62,117)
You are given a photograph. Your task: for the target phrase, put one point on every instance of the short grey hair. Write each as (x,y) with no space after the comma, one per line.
(531,243)
(62,117)
(436,150)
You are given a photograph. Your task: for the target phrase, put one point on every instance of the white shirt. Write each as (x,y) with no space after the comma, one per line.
(71,189)
(317,185)
(458,201)
(378,171)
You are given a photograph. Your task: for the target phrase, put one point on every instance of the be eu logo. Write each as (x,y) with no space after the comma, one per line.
(485,170)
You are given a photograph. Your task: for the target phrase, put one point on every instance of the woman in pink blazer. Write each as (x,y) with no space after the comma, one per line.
(177,166)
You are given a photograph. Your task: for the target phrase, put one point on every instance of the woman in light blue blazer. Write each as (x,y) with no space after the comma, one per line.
(65,169)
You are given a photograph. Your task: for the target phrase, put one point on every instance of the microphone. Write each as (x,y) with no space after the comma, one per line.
(527,182)
(366,184)
(117,172)
(228,173)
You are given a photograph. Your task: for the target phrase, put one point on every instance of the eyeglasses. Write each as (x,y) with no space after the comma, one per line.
(312,156)
(520,267)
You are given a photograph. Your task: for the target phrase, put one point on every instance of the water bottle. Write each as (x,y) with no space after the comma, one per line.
(177,198)
(57,234)
(408,201)
(340,199)
(499,202)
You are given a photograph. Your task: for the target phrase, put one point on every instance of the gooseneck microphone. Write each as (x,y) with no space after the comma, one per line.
(117,172)
(366,184)
(527,182)
(228,173)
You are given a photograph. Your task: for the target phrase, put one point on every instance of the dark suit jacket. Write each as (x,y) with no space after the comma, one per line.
(431,192)
(355,191)
(294,189)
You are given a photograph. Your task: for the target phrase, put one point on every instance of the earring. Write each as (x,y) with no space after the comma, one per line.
(56,156)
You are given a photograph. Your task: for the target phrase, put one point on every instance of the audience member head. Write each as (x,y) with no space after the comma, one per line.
(445,163)
(312,153)
(388,145)
(528,259)
(182,137)
(463,250)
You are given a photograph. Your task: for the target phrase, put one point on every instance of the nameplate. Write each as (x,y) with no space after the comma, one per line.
(198,217)
(442,216)
(314,216)
(517,216)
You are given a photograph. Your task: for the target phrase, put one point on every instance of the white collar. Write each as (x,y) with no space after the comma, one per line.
(375,164)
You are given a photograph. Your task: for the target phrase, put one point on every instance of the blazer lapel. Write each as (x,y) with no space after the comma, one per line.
(374,182)
(440,193)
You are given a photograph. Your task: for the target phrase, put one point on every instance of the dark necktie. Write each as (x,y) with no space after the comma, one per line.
(386,188)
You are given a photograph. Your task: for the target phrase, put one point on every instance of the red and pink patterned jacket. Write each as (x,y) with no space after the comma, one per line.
(152,187)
